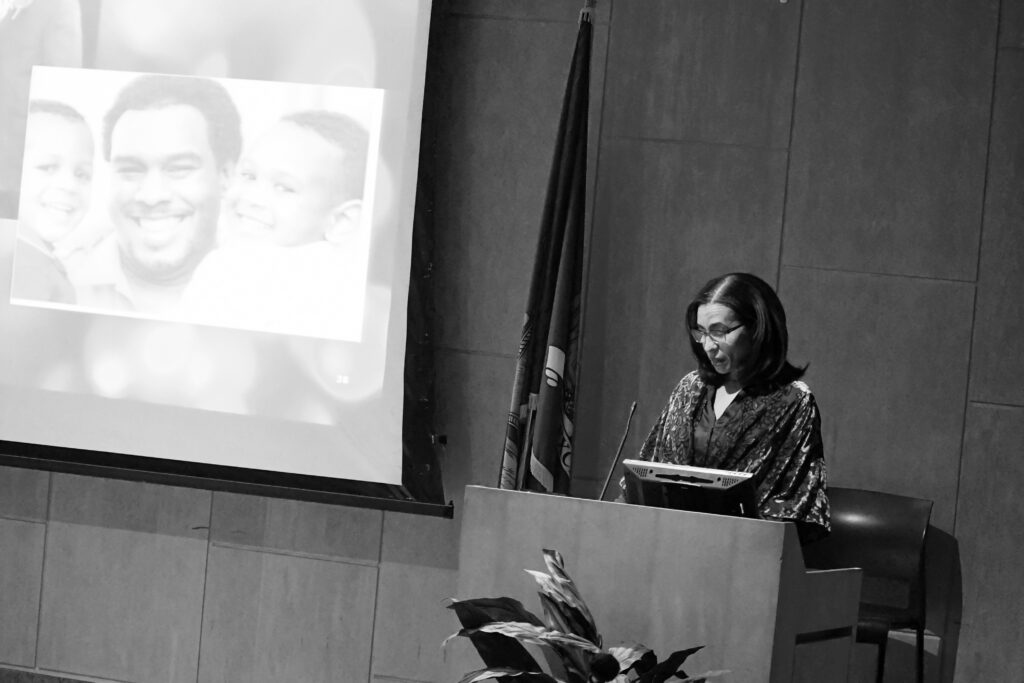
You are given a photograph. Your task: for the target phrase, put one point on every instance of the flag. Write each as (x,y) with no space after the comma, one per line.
(539,434)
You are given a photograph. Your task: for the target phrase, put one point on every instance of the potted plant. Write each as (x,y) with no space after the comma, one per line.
(568,637)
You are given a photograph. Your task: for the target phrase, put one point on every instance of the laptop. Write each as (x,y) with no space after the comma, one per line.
(686,487)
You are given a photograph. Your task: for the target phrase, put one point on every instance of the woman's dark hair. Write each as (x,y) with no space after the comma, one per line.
(758,308)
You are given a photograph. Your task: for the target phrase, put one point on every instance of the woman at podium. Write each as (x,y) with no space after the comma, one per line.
(744,408)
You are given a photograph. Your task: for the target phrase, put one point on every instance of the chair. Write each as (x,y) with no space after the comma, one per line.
(884,535)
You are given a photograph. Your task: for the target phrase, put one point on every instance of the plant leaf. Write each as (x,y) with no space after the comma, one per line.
(561,617)
(562,592)
(476,611)
(570,660)
(629,654)
(555,617)
(536,635)
(495,650)
(576,662)
(554,561)
(558,589)
(646,662)
(664,670)
(556,665)
(556,566)
(495,673)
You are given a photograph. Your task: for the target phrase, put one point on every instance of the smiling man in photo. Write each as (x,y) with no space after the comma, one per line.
(172,143)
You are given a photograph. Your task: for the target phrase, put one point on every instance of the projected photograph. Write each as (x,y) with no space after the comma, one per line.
(206,217)
(240,204)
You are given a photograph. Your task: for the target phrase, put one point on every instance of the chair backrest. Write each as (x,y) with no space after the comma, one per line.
(883,534)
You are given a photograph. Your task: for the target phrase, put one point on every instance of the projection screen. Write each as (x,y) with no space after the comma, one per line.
(205,243)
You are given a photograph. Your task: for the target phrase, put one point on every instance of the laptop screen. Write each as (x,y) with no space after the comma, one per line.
(685,487)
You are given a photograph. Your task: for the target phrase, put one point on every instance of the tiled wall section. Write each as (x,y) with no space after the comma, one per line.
(20,574)
(271,616)
(997,365)
(992,474)
(714,72)
(144,582)
(123,579)
(988,507)
(886,411)
(890,97)
(23,495)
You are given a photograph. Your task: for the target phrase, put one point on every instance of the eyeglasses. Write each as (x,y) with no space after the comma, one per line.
(717,334)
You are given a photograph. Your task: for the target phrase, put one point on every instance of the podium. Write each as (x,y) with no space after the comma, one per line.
(668,579)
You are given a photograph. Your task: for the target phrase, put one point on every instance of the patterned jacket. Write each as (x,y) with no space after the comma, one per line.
(774,434)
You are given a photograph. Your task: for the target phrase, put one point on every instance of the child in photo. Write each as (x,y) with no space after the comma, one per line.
(300,182)
(56,183)
(292,258)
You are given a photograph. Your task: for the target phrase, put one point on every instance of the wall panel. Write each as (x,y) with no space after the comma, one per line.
(21,565)
(23,493)
(1011,24)
(272,617)
(708,70)
(23,501)
(888,365)
(419,563)
(420,540)
(131,506)
(123,582)
(298,527)
(412,621)
(997,365)
(890,135)
(121,604)
(474,393)
(992,545)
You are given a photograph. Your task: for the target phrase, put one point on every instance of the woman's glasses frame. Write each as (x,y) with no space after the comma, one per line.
(715,334)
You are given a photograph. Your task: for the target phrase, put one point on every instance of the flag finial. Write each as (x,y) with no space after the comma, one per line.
(587,11)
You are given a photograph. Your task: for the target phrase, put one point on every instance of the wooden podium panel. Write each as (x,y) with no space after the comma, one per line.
(668,579)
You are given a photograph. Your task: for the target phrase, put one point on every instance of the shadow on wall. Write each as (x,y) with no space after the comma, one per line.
(945,591)
(942,634)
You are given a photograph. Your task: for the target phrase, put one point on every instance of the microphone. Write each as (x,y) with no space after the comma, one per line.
(618,453)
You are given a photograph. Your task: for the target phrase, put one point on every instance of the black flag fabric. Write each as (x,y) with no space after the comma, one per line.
(539,435)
